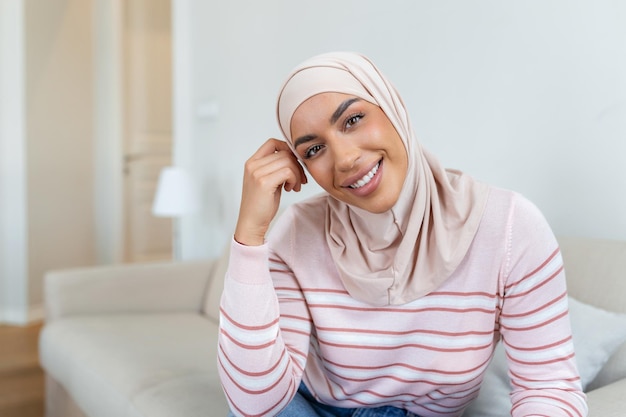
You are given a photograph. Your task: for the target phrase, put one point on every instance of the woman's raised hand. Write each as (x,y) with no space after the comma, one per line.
(272,168)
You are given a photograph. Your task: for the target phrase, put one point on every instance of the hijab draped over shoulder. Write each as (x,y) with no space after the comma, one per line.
(403,254)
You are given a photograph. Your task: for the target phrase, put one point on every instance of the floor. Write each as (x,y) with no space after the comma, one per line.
(21,377)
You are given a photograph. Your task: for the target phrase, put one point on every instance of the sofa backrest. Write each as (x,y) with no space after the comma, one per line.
(595,270)
(216,285)
(131,288)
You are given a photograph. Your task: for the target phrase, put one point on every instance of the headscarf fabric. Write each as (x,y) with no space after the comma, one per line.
(398,256)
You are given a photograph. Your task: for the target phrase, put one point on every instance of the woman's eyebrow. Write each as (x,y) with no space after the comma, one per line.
(303,139)
(342,108)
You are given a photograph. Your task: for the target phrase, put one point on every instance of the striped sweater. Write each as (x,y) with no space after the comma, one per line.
(286,318)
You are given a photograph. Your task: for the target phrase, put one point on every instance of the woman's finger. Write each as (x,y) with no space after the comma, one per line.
(275,154)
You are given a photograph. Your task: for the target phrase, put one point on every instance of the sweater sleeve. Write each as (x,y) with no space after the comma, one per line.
(264,333)
(534,320)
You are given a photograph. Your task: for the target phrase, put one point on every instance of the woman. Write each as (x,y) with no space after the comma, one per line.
(387,294)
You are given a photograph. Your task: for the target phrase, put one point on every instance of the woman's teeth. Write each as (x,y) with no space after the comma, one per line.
(366,178)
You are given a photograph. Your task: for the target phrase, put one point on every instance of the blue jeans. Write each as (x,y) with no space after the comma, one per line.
(304,405)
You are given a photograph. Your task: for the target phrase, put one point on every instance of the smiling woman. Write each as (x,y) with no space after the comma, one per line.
(387,294)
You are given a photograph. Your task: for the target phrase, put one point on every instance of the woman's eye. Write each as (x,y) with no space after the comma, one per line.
(312,151)
(352,120)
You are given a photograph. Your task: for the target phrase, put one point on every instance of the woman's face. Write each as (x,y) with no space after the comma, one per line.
(351,149)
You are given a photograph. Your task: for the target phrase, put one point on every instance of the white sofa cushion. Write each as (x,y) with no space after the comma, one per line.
(597,334)
(122,365)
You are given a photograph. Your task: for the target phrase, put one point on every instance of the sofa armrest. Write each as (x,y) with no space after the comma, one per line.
(147,287)
(608,401)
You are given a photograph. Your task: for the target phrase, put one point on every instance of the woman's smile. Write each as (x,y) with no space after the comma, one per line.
(368,183)
(366,178)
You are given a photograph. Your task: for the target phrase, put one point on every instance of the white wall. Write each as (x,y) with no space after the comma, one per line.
(528,95)
(46,152)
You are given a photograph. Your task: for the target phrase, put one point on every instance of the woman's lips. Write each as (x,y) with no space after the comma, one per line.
(367,183)
(366,178)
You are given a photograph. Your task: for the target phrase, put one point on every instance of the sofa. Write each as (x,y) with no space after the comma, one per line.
(140,340)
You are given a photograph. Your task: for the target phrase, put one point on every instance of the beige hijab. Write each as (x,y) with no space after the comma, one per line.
(403,254)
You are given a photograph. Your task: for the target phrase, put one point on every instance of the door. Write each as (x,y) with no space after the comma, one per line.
(147,125)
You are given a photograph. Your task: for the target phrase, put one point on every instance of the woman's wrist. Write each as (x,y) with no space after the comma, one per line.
(248,238)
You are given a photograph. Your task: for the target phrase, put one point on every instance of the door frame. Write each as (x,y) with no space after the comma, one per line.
(108,132)
(183,117)
(14,307)
(109,117)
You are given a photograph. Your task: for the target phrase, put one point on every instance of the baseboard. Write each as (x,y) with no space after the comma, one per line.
(34,314)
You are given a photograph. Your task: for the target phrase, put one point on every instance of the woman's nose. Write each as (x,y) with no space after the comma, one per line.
(346,155)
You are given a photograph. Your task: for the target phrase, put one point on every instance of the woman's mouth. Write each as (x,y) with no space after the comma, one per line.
(366,178)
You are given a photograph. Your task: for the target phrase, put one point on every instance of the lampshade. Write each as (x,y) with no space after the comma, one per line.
(176,193)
